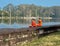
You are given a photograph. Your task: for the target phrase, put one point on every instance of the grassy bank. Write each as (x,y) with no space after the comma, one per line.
(49,40)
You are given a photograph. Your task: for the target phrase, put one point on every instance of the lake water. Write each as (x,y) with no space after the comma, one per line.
(15,25)
(24,23)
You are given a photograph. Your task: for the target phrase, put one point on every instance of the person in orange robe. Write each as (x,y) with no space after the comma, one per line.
(33,23)
(39,22)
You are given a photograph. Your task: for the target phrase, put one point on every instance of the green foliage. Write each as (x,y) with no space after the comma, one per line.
(31,10)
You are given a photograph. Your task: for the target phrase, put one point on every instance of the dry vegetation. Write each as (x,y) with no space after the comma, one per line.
(49,40)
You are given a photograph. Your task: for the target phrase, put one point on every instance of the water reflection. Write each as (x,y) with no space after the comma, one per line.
(25,21)
(15,25)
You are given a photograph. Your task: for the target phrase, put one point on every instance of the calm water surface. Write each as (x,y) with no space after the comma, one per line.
(15,25)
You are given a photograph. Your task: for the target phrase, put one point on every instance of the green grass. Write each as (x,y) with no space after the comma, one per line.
(49,40)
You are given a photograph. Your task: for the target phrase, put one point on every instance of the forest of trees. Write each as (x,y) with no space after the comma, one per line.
(25,10)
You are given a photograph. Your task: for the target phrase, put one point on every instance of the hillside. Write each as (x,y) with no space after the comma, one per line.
(25,10)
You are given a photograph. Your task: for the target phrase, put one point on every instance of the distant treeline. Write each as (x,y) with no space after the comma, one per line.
(25,10)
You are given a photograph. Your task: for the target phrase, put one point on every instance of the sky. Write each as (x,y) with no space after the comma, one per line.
(47,3)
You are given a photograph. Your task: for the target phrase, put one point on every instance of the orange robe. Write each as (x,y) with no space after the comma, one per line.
(39,23)
(33,24)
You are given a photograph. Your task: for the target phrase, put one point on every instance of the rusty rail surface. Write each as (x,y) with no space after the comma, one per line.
(12,37)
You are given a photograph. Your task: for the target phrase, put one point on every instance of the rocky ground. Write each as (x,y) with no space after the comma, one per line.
(48,40)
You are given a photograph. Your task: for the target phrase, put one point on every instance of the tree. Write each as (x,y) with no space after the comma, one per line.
(10,9)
